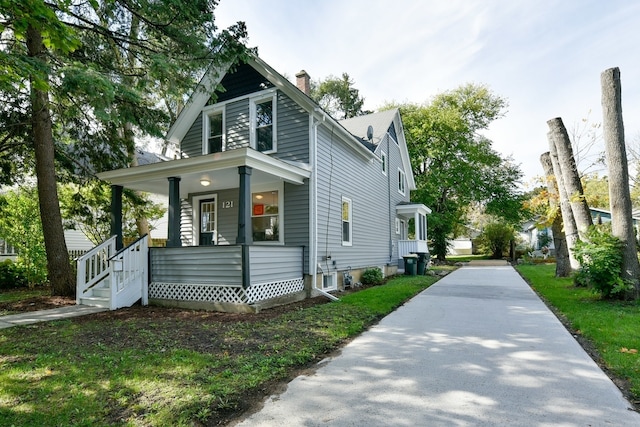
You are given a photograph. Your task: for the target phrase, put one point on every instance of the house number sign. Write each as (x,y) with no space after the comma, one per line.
(227,204)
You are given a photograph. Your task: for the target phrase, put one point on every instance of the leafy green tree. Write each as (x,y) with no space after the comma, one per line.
(338,97)
(455,165)
(596,190)
(80,80)
(87,208)
(495,238)
(23,230)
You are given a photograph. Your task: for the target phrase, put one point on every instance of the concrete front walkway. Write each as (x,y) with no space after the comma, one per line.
(45,315)
(478,348)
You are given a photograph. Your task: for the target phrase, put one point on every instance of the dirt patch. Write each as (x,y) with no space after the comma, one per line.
(36,303)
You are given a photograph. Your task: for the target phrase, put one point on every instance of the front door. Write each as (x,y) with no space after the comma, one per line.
(208,222)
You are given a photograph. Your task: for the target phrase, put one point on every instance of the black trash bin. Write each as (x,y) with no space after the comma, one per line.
(410,264)
(422,262)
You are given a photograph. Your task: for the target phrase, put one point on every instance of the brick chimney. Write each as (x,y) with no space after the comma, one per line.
(303,82)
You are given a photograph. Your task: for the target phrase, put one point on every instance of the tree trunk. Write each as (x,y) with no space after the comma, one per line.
(563,264)
(569,222)
(570,176)
(142,223)
(616,155)
(58,265)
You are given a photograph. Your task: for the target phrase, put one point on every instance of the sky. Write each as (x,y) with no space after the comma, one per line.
(544,57)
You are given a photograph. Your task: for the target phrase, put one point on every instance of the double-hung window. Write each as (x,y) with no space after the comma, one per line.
(383,158)
(347,229)
(214,131)
(401,181)
(263,123)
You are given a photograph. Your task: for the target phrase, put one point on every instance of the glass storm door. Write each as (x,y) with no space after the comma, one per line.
(208,222)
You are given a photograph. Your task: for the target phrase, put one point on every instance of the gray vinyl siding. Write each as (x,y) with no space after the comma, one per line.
(342,172)
(191,144)
(293,130)
(237,124)
(394,162)
(274,264)
(296,215)
(227,217)
(186,223)
(197,264)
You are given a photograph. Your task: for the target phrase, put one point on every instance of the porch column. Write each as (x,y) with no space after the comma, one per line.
(116,214)
(416,226)
(173,232)
(245,237)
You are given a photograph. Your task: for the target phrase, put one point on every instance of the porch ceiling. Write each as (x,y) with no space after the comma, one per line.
(220,169)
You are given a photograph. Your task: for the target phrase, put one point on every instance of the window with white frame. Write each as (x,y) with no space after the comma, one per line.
(397,225)
(263,119)
(383,158)
(265,216)
(346,222)
(401,181)
(329,281)
(214,131)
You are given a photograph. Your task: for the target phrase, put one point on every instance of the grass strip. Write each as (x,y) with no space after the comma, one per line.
(177,370)
(611,326)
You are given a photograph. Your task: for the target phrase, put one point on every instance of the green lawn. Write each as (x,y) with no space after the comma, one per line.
(612,326)
(8,296)
(156,366)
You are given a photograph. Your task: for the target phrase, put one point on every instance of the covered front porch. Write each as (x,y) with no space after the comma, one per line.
(226,244)
(411,216)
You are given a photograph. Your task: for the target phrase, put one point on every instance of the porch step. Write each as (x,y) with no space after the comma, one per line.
(99,295)
(95,301)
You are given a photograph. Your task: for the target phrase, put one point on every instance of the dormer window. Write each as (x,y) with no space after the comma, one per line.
(213,131)
(263,119)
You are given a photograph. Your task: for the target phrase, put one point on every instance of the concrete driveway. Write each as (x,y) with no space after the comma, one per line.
(478,348)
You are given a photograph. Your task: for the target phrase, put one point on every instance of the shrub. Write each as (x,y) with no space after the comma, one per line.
(495,239)
(601,258)
(12,275)
(372,276)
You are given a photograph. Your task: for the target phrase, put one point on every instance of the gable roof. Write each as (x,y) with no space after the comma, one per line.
(354,138)
(381,123)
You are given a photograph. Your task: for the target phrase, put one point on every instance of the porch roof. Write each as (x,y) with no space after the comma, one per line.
(220,169)
(408,210)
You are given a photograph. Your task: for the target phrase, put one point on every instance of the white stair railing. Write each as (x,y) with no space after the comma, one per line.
(129,281)
(93,267)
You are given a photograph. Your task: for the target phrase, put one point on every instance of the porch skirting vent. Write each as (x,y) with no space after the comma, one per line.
(224,293)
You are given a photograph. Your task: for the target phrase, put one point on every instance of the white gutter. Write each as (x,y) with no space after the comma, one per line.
(313,202)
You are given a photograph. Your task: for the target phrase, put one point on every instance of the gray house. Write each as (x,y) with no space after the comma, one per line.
(271,199)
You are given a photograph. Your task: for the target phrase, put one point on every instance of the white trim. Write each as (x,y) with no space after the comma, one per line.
(350,220)
(195,204)
(280,189)
(258,98)
(206,122)
(397,225)
(210,163)
(333,276)
(402,182)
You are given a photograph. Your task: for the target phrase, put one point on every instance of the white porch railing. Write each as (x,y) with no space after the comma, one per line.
(113,279)
(406,247)
(93,267)
(129,272)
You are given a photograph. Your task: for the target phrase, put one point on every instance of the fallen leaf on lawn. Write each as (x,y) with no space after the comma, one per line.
(626,350)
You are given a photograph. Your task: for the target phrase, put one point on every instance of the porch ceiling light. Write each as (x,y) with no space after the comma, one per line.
(205,182)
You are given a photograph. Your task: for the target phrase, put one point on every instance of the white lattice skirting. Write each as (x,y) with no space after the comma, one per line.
(224,293)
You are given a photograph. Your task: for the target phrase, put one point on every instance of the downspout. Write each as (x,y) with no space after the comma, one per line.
(391,223)
(313,203)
